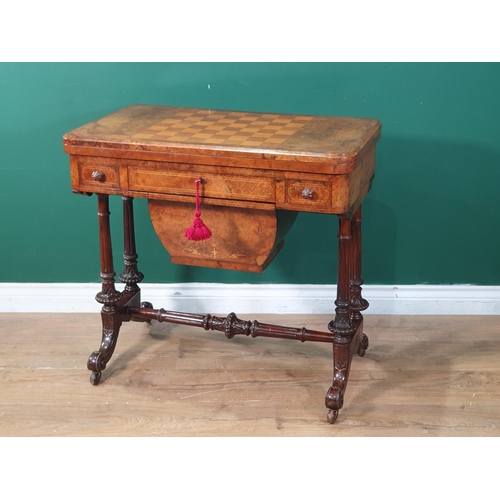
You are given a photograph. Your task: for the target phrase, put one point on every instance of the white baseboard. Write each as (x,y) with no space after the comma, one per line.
(257,299)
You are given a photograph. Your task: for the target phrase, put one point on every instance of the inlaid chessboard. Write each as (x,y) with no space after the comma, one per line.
(225,128)
(313,143)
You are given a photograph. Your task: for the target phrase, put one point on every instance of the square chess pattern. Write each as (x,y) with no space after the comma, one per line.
(225,128)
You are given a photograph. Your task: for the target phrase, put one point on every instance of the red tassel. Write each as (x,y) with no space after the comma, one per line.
(198,231)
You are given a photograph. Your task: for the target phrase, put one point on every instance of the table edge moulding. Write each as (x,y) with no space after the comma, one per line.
(223,188)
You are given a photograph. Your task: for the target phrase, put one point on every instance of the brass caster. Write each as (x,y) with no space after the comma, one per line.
(332,416)
(95,377)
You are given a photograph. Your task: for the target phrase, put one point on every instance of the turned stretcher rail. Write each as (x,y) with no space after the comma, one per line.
(231,325)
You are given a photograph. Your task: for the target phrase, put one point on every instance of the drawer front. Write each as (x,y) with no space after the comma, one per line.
(213,185)
(96,175)
(308,194)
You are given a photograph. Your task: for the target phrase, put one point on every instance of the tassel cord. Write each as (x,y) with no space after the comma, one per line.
(197,231)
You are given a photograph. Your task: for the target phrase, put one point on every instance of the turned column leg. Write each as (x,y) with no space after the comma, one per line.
(130,275)
(341,326)
(358,303)
(108,296)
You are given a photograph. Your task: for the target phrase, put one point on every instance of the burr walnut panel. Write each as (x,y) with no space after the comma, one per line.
(179,179)
(243,239)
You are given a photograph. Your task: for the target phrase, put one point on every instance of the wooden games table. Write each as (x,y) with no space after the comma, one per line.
(254,173)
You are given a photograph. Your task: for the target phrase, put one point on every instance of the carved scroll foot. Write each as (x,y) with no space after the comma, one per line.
(95,365)
(344,348)
(334,401)
(363,345)
(98,359)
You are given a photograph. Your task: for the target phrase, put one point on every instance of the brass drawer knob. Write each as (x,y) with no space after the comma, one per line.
(98,176)
(307,193)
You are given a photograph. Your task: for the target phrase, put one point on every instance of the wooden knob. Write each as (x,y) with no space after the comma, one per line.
(98,176)
(307,193)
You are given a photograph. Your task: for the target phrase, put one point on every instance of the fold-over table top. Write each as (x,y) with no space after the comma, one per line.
(256,136)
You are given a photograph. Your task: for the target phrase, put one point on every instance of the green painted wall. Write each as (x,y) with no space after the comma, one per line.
(433,215)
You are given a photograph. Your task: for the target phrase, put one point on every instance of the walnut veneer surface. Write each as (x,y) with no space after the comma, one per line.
(150,151)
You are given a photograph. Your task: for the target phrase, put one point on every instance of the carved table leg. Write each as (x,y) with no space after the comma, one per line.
(346,326)
(108,296)
(131,276)
(358,303)
(341,326)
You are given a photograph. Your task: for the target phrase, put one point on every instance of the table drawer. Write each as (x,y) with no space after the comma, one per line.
(94,174)
(307,193)
(214,185)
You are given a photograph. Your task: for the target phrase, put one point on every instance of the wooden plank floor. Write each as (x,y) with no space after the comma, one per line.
(421,376)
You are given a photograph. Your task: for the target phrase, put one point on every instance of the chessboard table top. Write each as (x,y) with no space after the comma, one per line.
(258,136)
